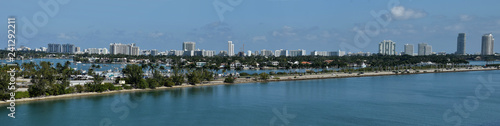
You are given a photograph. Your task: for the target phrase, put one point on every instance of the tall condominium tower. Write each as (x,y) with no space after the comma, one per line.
(188,46)
(487,44)
(387,47)
(68,48)
(460,44)
(299,52)
(281,52)
(126,49)
(409,49)
(54,48)
(265,52)
(77,49)
(134,50)
(424,49)
(230,50)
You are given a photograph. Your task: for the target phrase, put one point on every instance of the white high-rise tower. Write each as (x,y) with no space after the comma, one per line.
(188,46)
(408,49)
(487,44)
(230,50)
(387,47)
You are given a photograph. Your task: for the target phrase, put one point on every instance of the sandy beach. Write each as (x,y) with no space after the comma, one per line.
(251,80)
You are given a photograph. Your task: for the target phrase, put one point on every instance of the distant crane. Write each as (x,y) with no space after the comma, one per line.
(243,48)
(242,51)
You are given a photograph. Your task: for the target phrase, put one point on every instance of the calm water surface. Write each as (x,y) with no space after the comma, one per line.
(385,100)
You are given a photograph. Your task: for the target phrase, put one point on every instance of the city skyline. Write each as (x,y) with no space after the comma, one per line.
(314,23)
(386,47)
(250,62)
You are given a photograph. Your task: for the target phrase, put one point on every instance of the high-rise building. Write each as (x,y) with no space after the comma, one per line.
(230,50)
(338,53)
(188,53)
(265,52)
(277,53)
(135,51)
(54,48)
(222,53)
(208,53)
(24,48)
(409,49)
(188,46)
(319,53)
(125,49)
(299,52)
(424,49)
(203,53)
(460,44)
(118,48)
(96,51)
(428,50)
(77,49)
(146,52)
(487,44)
(241,54)
(68,48)
(103,51)
(43,49)
(154,52)
(281,52)
(175,52)
(387,47)
(198,52)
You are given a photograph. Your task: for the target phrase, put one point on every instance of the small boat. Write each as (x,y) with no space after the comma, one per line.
(78,62)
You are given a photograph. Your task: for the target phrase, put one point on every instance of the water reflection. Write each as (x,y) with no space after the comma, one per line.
(156,94)
(205,90)
(137,96)
(176,93)
(231,89)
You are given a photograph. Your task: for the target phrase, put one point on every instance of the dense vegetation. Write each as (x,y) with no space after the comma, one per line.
(289,62)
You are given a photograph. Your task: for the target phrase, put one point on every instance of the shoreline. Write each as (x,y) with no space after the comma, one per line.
(243,81)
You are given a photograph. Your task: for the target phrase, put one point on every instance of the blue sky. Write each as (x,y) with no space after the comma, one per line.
(323,25)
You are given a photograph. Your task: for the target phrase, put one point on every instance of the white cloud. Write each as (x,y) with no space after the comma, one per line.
(402,13)
(286,31)
(465,17)
(156,35)
(64,36)
(326,34)
(259,38)
(311,37)
(456,27)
